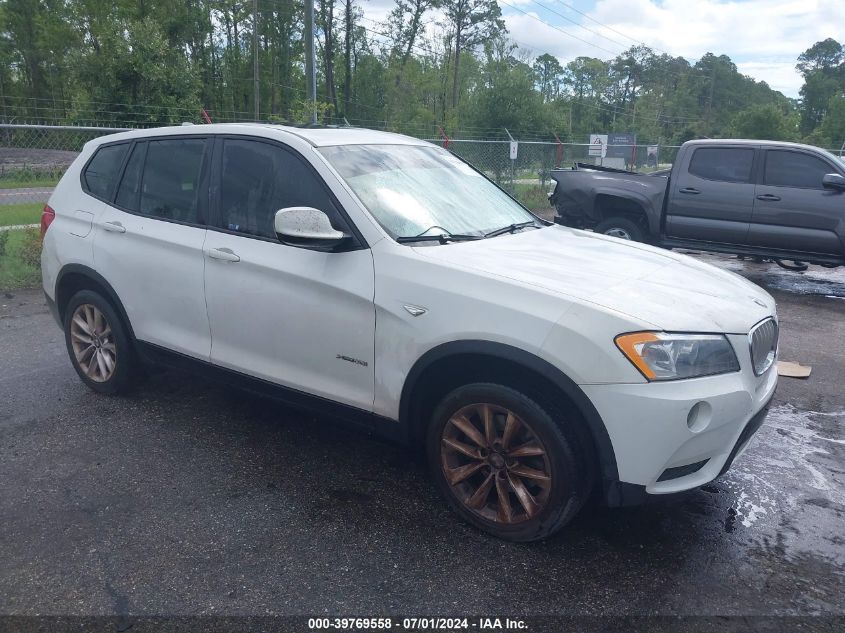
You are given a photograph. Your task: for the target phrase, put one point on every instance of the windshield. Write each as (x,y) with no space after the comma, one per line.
(412,189)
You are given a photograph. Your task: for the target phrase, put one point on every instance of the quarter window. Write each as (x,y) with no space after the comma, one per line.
(102,170)
(171,178)
(795,169)
(258,179)
(726,164)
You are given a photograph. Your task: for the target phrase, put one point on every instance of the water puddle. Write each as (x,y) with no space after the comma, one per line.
(816,280)
(828,283)
(790,482)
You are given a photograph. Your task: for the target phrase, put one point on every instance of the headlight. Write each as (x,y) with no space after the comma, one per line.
(661,356)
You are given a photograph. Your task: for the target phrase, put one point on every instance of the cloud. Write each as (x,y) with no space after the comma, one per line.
(762,37)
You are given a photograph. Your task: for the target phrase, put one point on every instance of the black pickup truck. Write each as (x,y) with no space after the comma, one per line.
(783,201)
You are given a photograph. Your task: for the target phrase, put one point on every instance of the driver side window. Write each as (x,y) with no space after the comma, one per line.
(257,179)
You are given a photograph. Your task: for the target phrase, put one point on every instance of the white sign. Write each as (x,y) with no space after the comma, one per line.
(514,148)
(598,145)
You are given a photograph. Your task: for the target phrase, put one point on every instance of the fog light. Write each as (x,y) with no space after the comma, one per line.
(699,417)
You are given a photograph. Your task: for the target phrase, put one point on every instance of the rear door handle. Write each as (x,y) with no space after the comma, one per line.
(768,197)
(114,227)
(691,190)
(224,254)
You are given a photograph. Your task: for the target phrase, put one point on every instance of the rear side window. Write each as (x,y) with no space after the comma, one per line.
(130,186)
(170,179)
(258,179)
(102,170)
(726,164)
(795,169)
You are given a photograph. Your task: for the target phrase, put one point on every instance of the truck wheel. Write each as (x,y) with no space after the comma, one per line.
(504,464)
(622,228)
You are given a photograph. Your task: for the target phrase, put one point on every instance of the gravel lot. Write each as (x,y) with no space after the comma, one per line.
(188,498)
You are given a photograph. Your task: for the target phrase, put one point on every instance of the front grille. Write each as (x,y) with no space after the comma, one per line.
(764,345)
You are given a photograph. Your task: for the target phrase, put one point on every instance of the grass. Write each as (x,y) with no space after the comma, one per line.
(535,197)
(19,258)
(23,177)
(23,213)
(28,182)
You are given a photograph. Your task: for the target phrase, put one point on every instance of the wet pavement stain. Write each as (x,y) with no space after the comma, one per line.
(816,280)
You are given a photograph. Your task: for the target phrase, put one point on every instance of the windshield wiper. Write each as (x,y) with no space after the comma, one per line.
(443,238)
(510,228)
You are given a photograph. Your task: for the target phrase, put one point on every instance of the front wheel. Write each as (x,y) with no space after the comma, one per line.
(623,228)
(504,464)
(97,343)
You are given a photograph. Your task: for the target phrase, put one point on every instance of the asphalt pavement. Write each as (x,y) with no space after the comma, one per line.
(188,498)
(25,194)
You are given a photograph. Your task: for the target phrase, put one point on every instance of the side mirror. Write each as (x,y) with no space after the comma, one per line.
(306,226)
(834,181)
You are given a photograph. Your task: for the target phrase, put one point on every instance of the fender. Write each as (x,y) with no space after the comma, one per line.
(601,439)
(651,202)
(97,278)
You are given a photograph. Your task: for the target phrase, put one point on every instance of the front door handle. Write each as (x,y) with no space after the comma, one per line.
(690,190)
(224,254)
(768,197)
(114,227)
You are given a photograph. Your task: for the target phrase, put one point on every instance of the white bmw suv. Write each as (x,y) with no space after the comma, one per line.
(383,281)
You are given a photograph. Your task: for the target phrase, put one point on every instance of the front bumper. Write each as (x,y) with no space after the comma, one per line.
(672,436)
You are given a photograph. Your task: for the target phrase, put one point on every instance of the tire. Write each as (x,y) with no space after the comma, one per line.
(494,471)
(623,228)
(111,367)
(795,266)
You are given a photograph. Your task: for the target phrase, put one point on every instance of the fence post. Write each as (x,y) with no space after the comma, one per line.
(558,152)
(513,149)
(445,138)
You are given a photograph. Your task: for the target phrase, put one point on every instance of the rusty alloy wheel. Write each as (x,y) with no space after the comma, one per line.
(495,464)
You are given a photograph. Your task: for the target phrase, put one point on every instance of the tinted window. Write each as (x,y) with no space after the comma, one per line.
(170,183)
(728,164)
(103,168)
(258,179)
(794,169)
(130,186)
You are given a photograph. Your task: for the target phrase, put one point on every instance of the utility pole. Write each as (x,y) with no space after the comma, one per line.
(256,87)
(310,66)
(710,100)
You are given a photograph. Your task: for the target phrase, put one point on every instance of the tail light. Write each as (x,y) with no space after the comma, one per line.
(47,217)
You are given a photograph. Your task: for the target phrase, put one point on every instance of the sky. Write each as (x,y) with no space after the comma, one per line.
(762,37)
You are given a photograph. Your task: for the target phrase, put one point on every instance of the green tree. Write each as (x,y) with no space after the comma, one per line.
(823,68)
(471,22)
(765,122)
(549,76)
(831,133)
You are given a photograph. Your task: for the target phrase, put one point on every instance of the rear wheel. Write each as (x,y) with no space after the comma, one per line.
(623,228)
(97,343)
(504,464)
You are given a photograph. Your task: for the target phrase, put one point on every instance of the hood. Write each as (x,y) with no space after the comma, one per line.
(672,292)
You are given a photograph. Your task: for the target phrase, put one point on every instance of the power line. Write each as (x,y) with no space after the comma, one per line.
(550,10)
(578,24)
(610,28)
(556,28)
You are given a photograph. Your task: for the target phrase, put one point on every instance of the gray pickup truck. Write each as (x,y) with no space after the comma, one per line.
(761,198)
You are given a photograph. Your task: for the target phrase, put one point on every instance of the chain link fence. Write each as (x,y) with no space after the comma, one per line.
(34,157)
(32,160)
